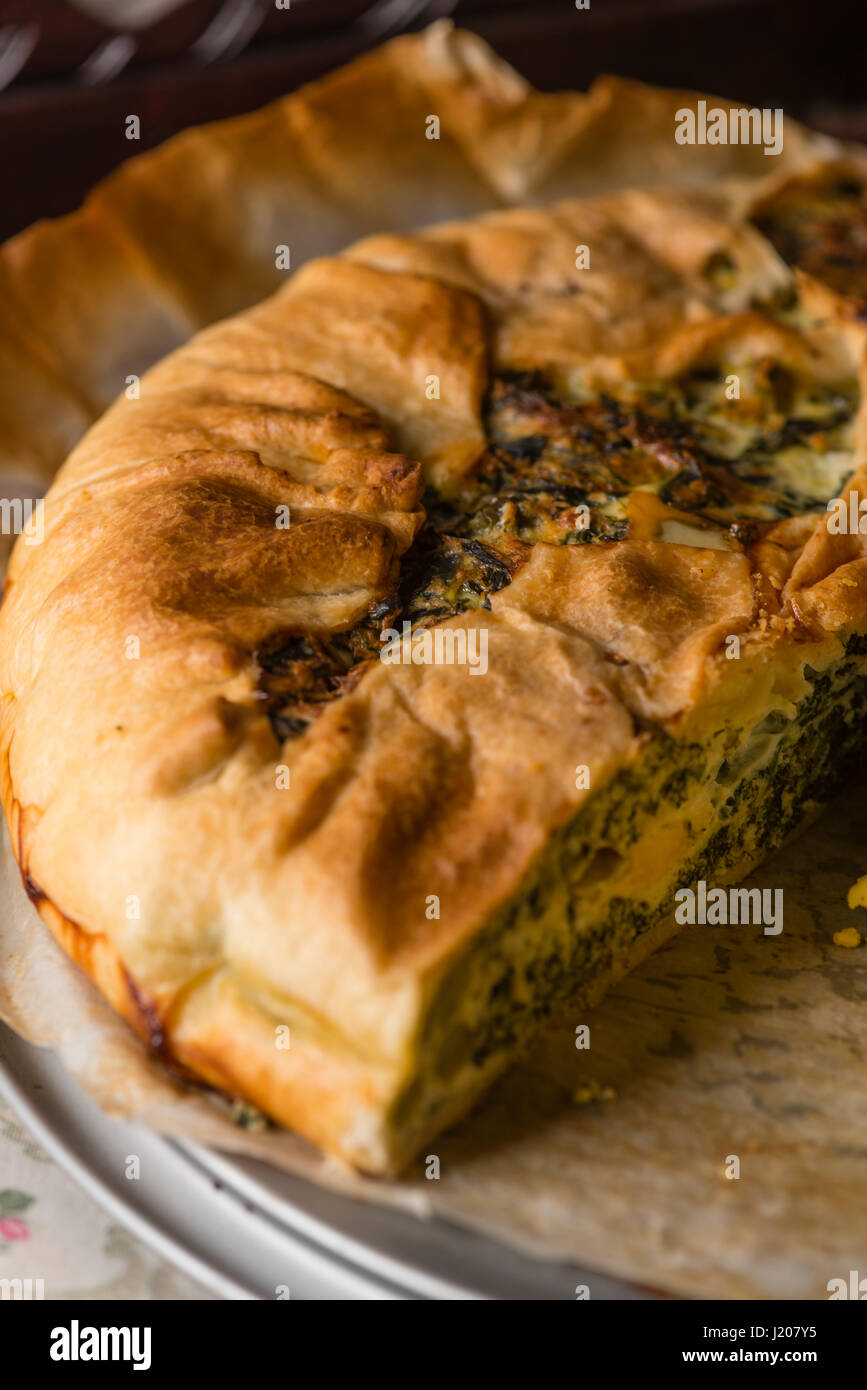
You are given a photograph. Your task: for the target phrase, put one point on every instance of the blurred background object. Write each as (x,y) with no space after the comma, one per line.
(72,70)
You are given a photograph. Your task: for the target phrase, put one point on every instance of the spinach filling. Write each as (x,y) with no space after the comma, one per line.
(772,450)
(558,936)
(443,575)
(822,229)
(572,472)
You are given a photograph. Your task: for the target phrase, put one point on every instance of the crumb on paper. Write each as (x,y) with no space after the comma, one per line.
(857,895)
(247,1116)
(849,936)
(591,1090)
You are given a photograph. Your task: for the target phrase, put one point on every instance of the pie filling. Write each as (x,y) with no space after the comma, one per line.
(821,227)
(683,461)
(708,805)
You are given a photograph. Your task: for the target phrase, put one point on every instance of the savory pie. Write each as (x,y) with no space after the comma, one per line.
(347,873)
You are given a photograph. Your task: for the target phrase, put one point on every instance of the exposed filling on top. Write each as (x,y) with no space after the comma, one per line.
(822,229)
(443,574)
(713,458)
(729,444)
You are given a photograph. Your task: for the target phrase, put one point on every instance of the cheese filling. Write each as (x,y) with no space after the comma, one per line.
(709,804)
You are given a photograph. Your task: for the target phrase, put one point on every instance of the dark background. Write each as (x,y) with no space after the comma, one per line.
(67,81)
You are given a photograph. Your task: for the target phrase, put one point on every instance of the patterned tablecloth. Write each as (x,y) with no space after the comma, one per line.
(50,1229)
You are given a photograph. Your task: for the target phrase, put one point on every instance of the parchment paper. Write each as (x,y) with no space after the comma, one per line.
(728,1042)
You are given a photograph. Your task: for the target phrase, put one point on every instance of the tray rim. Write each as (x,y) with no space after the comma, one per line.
(156,1235)
(325,1251)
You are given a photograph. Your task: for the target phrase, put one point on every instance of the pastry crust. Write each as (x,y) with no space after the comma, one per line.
(220,884)
(136,270)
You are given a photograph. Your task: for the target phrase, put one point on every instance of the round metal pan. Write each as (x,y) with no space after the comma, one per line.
(246,1230)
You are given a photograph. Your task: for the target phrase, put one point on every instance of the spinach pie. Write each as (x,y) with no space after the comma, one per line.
(593,443)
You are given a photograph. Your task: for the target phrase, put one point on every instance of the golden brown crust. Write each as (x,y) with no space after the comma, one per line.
(138,269)
(211,897)
(212,907)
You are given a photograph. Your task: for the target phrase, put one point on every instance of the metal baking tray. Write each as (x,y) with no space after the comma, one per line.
(243,1229)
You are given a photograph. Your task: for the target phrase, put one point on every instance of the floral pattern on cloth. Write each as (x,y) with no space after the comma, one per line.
(56,1236)
(12,1204)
